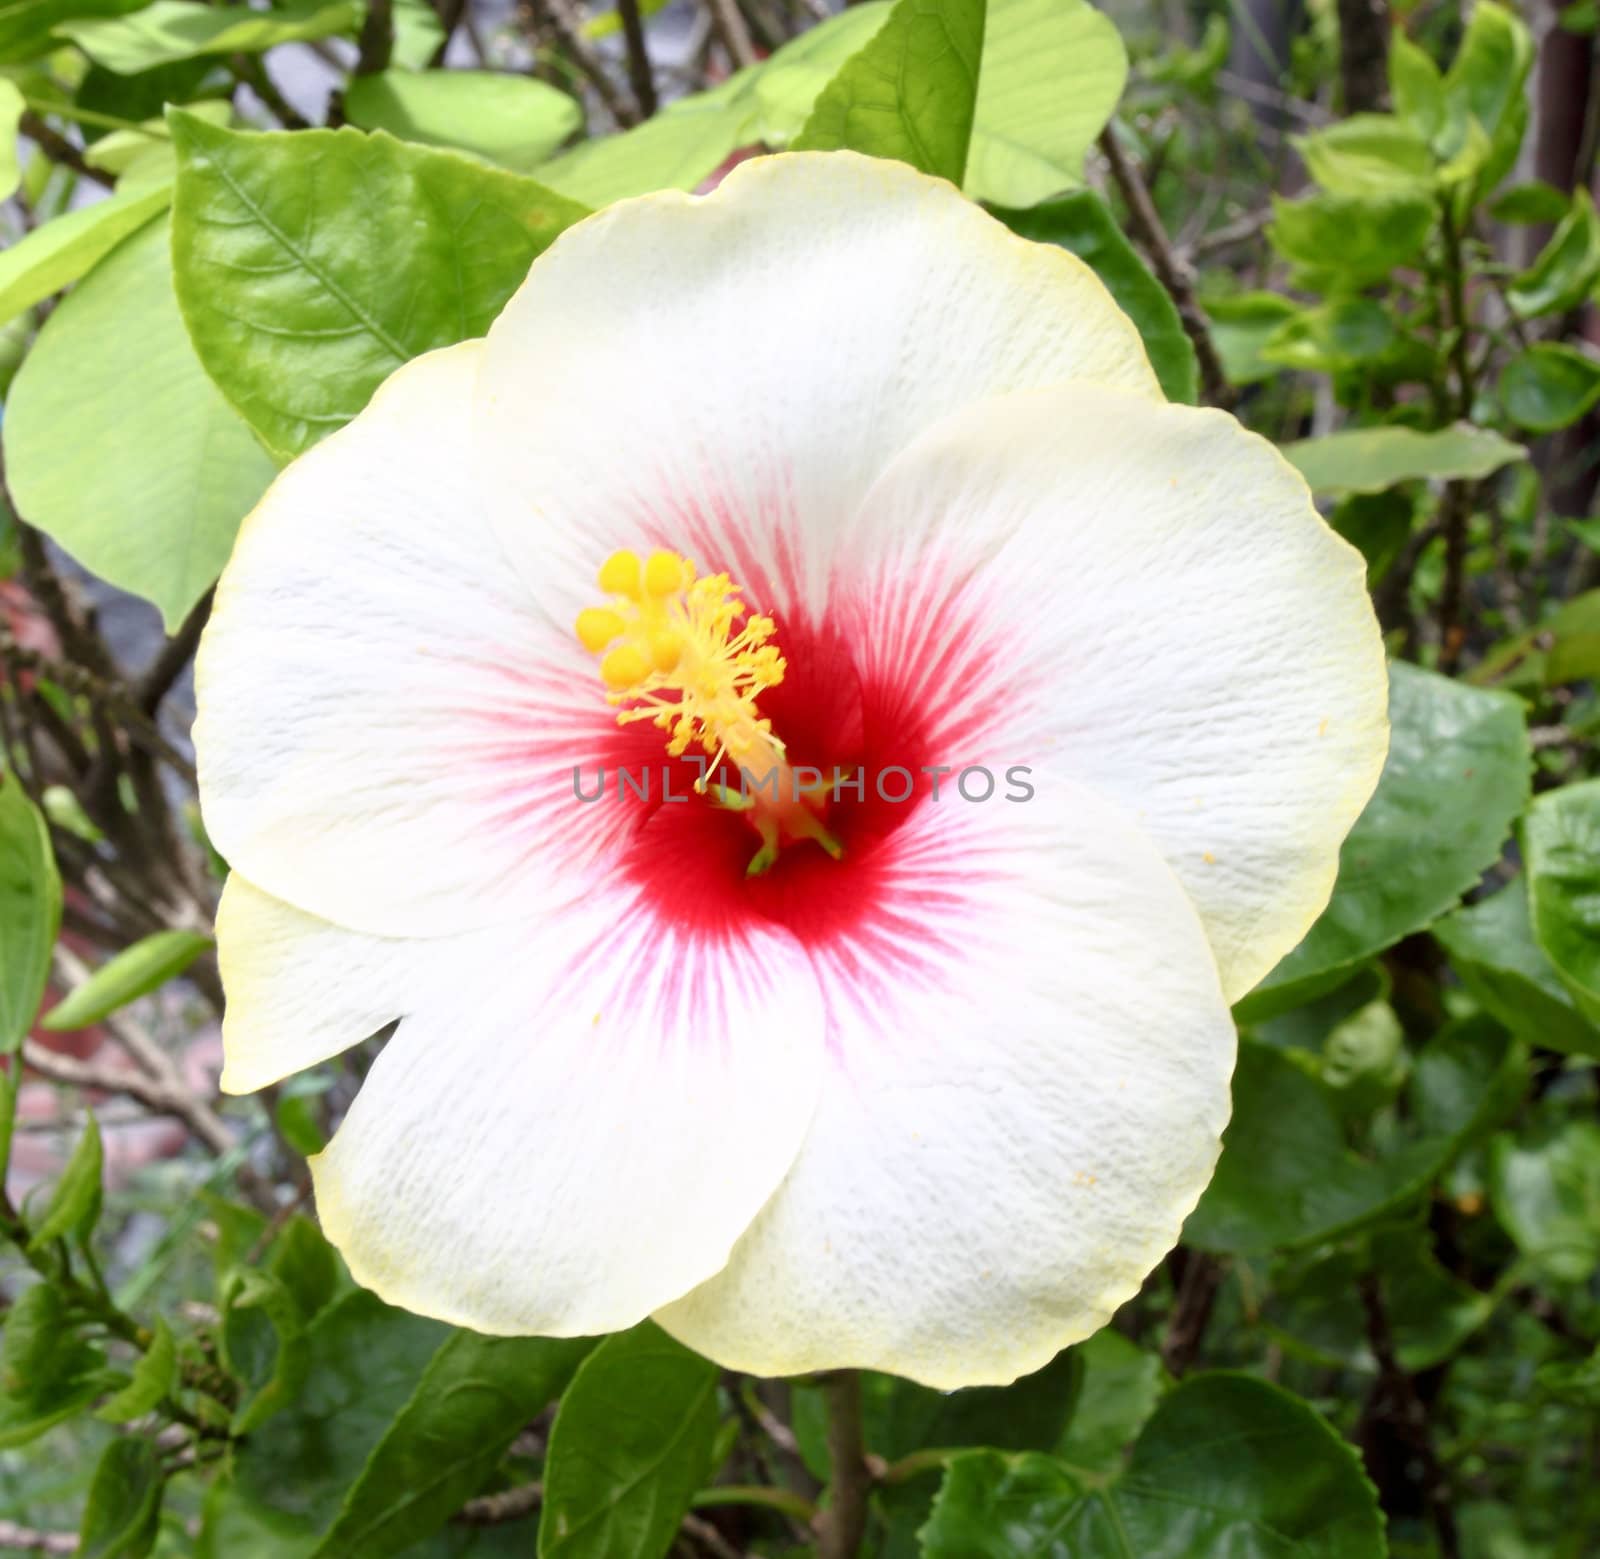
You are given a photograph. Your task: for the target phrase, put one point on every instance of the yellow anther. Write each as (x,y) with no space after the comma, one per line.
(598,626)
(624,667)
(666,649)
(666,573)
(619,574)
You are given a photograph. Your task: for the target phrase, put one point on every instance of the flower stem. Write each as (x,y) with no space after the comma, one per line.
(842,1525)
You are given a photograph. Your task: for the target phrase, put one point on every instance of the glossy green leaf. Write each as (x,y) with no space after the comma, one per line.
(1082,223)
(263,1344)
(30,911)
(11,111)
(630,1445)
(1287,1178)
(1332,337)
(74,1205)
(170,30)
(1456,778)
(154,1377)
(56,254)
(1566,269)
(1227,1465)
(1545,1187)
(309,266)
(514,121)
(1549,386)
(1561,842)
(911,93)
(1369,153)
(1492,948)
(24,1419)
(1573,637)
(1368,460)
(124,1510)
(1342,243)
(475,1397)
(134,972)
(177,470)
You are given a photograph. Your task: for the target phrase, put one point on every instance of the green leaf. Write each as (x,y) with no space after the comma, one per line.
(305,1263)
(1241,326)
(475,1397)
(154,1377)
(12,108)
(1456,778)
(1416,85)
(1531,204)
(26,25)
(363,1362)
(66,247)
(674,149)
(124,1510)
(1578,1383)
(1368,460)
(1082,223)
(1573,636)
(911,93)
(1492,947)
(37,1346)
(1485,82)
(514,121)
(1287,1179)
(263,1343)
(1545,1188)
(30,911)
(157,512)
(1367,154)
(25,1419)
(1053,72)
(1227,1465)
(1122,1384)
(1561,841)
(1332,338)
(134,972)
(170,30)
(1549,386)
(309,266)
(75,1203)
(1567,266)
(630,1445)
(1343,243)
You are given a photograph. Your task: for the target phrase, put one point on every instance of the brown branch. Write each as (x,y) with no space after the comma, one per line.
(1199,1280)
(842,1525)
(639,72)
(174,655)
(564,21)
(1394,1401)
(493,1510)
(59,149)
(1454,514)
(728,22)
(1363,55)
(1171,271)
(376,42)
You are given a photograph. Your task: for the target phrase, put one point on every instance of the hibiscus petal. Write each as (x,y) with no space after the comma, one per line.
(1145,594)
(301,989)
(387,722)
(1027,1082)
(725,375)
(581,1128)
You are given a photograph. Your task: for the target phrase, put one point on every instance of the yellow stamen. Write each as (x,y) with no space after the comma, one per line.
(686,654)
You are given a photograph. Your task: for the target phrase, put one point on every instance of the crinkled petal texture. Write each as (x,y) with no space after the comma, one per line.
(1027,1081)
(726,375)
(934,1109)
(573,1123)
(1143,594)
